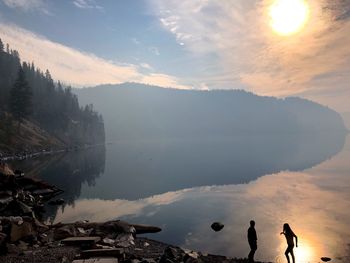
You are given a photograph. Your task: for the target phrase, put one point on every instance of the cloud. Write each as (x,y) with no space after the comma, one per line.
(28,5)
(102,210)
(146,66)
(238,33)
(163,80)
(87,4)
(76,67)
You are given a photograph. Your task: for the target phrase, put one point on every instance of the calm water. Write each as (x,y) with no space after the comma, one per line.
(185,185)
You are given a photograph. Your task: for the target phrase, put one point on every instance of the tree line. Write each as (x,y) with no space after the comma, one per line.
(28,93)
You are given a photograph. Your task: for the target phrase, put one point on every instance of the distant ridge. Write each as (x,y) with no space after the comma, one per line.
(138,111)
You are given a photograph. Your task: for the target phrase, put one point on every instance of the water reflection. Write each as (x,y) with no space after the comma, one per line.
(155,167)
(315,202)
(68,171)
(183,186)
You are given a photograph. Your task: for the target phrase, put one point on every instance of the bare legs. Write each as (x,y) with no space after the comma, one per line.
(289,250)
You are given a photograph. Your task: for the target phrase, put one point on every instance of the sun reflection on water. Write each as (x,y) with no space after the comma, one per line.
(304,253)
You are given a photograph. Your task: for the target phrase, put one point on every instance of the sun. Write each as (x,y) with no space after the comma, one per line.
(288,16)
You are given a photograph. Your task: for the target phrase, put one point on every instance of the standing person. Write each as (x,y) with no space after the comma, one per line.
(289,234)
(252,240)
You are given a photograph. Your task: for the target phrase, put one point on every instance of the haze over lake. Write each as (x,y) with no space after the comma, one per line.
(185,185)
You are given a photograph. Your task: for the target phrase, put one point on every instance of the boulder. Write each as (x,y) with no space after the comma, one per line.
(64,232)
(191,256)
(217,226)
(47,238)
(20,231)
(125,240)
(108,241)
(171,255)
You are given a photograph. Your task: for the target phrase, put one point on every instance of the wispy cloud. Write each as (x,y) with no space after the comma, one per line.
(239,34)
(102,210)
(28,5)
(164,80)
(146,66)
(87,4)
(76,67)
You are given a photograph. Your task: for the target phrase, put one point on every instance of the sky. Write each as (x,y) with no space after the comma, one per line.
(197,44)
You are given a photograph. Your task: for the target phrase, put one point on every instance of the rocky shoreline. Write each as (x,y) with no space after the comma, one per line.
(34,153)
(145,250)
(5,157)
(23,238)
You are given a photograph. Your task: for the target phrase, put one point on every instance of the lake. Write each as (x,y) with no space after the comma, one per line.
(183,185)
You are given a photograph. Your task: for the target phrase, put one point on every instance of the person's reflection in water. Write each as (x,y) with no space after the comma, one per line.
(252,240)
(289,234)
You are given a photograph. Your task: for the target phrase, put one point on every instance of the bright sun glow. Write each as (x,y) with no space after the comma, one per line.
(303,254)
(288,16)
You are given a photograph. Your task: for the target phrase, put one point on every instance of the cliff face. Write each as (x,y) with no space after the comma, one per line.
(136,111)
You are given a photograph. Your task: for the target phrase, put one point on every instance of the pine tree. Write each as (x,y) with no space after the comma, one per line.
(1,46)
(20,98)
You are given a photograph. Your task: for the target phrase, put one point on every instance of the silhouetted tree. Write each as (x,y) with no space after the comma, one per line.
(1,46)
(20,97)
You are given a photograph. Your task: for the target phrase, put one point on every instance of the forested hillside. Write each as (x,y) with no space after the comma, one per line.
(137,111)
(28,95)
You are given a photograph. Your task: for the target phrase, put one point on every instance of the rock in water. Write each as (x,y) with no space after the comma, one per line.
(325,259)
(217,226)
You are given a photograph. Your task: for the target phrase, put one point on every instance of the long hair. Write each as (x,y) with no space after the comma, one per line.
(287,229)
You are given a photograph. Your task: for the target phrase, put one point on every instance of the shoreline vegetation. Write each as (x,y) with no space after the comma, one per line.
(23,237)
(23,155)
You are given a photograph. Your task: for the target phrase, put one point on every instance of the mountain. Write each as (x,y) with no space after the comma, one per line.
(138,111)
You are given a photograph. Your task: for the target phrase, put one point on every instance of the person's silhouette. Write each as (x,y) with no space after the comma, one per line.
(252,240)
(289,234)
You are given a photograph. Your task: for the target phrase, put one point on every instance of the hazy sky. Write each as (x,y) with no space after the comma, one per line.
(201,44)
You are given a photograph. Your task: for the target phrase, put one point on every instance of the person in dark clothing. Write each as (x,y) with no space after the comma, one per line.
(252,240)
(289,234)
